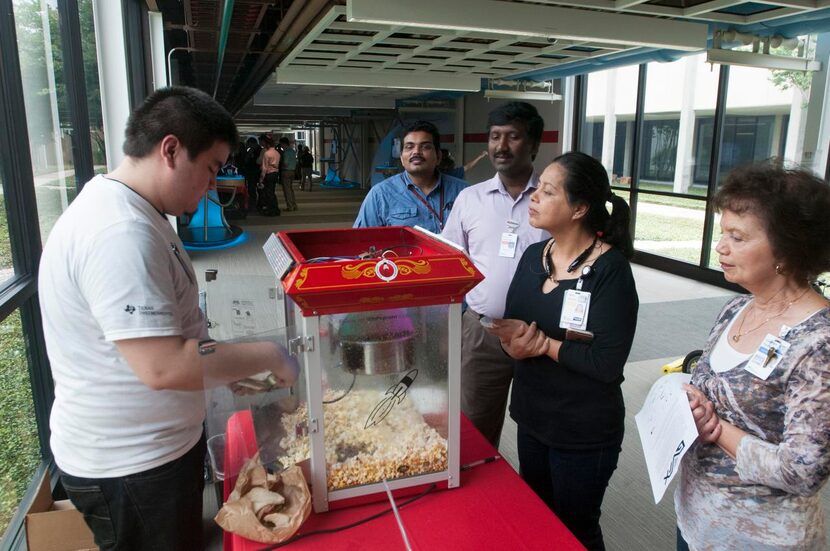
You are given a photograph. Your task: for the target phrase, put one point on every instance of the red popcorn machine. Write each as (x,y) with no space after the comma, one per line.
(373,316)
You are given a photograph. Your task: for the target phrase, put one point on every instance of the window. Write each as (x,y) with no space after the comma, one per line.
(607,131)
(44,91)
(671,206)
(93,87)
(766,117)
(19,445)
(6,265)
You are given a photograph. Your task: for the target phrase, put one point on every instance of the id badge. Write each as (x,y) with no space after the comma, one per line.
(507,245)
(575,307)
(767,357)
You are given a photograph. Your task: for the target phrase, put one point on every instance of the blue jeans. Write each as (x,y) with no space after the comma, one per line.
(571,482)
(159,509)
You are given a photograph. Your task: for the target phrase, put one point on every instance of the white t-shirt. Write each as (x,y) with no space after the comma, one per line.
(114,268)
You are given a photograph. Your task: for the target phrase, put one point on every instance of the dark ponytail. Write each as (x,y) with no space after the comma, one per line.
(618,226)
(586,182)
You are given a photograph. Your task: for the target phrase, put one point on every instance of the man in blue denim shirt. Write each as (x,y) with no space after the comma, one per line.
(419,196)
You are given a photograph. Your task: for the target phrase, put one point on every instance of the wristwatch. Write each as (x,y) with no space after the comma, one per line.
(206,347)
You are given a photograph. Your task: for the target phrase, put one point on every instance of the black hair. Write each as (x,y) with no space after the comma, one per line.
(267,140)
(423,126)
(586,183)
(793,207)
(284,141)
(195,118)
(520,111)
(251,141)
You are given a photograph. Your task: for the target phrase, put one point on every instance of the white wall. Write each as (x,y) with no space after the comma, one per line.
(749,89)
(476,109)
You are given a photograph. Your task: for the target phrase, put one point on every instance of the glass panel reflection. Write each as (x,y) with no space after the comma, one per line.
(44,91)
(93,87)
(680,96)
(6,264)
(608,130)
(19,446)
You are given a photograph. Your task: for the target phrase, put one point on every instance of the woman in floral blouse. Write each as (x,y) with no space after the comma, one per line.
(761,392)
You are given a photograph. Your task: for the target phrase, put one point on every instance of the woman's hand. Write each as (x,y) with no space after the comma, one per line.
(706,420)
(519,339)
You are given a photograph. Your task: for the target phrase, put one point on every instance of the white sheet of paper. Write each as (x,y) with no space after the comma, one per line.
(667,430)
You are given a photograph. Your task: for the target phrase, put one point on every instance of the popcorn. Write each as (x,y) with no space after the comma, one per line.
(402,444)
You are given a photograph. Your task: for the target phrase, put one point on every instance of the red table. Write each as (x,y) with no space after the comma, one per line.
(493,509)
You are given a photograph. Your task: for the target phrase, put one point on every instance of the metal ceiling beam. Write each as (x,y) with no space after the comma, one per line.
(700,9)
(268,96)
(297,20)
(410,80)
(227,15)
(532,20)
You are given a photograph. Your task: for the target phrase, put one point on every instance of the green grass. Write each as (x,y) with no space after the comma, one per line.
(672,201)
(19,447)
(655,227)
(685,254)
(5,243)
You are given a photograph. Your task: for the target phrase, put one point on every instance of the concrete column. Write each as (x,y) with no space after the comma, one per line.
(817,128)
(567,113)
(795,132)
(157,53)
(112,73)
(609,130)
(684,162)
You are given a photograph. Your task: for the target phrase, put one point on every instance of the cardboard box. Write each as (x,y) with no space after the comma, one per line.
(56,525)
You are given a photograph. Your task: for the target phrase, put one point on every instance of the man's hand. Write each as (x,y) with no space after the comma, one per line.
(287,368)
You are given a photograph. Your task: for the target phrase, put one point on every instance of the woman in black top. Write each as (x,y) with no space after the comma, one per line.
(566,396)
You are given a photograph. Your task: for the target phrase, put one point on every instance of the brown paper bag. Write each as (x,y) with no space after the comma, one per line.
(238,515)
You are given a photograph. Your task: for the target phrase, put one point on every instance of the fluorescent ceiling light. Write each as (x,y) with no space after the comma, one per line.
(763,61)
(522,95)
(515,19)
(385,79)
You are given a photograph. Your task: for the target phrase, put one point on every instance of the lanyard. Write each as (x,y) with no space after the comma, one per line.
(439,215)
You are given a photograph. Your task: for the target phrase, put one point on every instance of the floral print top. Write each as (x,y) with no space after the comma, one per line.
(769,497)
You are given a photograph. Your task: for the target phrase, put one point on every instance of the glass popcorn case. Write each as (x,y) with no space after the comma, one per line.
(374,318)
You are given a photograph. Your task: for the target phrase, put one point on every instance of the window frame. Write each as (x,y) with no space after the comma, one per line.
(20,291)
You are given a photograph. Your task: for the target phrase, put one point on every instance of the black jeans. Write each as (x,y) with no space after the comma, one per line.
(571,482)
(681,542)
(268,202)
(159,509)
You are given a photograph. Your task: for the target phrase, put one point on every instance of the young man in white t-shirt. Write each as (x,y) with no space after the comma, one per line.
(127,342)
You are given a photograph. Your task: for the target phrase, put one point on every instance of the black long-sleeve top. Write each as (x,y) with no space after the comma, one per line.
(575,403)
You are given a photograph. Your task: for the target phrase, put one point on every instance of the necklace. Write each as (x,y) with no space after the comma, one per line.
(547,259)
(737,336)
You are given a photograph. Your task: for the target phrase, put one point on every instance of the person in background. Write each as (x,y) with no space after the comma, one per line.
(127,342)
(760,393)
(490,221)
(420,195)
(571,312)
(306,166)
(288,165)
(268,176)
(447,165)
(250,169)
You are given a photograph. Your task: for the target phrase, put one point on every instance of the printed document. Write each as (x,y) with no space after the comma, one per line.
(667,430)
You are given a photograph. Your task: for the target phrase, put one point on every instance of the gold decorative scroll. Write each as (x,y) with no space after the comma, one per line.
(301,280)
(367,268)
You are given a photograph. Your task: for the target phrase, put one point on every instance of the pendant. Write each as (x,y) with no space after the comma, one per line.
(736,338)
